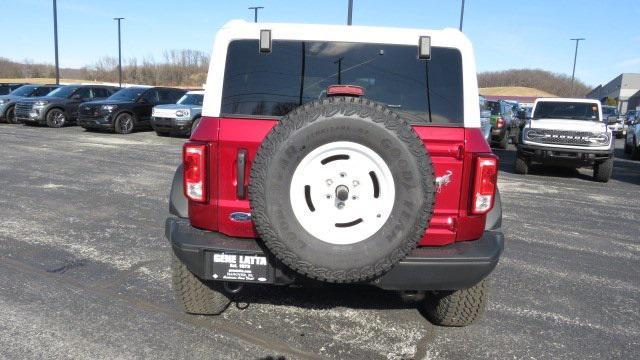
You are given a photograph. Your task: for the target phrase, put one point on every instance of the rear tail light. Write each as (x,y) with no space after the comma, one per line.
(500,122)
(484,184)
(194,156)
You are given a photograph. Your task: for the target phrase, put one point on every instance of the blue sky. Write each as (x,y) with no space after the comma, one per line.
(506,34)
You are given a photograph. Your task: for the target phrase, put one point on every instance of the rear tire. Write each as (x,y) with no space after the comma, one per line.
(602,170)
(521,166)
(124,124)
(162,133)
(459,307)
(196,296)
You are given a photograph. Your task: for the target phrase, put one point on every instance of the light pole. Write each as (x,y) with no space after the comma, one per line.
(461,14)
(255,12)
(339,62)
(119,51)
(350,13)
(575,57)
(55,39)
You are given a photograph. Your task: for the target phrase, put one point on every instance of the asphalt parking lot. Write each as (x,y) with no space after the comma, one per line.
(85,268)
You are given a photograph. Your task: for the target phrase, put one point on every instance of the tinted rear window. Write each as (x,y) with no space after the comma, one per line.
(274,84)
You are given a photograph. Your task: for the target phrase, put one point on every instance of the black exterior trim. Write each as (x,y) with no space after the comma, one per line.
(456,266)
(178,203)
(550,154)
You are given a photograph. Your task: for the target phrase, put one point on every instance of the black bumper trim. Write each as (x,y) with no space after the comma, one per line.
(541,152)
(456,266)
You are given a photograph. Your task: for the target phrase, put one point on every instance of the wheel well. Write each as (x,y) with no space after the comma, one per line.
(6,112)
(125,112)
(55,108)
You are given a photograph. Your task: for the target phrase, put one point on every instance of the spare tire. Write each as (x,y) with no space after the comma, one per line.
(341,189)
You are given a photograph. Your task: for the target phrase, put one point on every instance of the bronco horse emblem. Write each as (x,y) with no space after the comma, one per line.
(443,180)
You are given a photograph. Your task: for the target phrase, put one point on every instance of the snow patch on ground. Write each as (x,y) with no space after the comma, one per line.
(52,186)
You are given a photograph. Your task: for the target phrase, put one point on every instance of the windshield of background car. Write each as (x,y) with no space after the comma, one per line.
(494,107)
(63,92)
(191,99)
(127,94)
(297,72)
(609,111)
(566,110)
(24,90)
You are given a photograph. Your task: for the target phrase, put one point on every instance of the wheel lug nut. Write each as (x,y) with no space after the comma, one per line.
(354,197)
(340,205)
(343,174)
(356,182)
(329,182)
(328,196)
(379,216)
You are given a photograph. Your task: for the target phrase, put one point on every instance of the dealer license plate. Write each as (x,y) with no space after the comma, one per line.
(241,267)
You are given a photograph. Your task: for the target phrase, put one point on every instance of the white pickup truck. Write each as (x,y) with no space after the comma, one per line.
(567,132)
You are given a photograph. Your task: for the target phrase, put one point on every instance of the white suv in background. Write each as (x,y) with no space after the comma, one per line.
(567,132)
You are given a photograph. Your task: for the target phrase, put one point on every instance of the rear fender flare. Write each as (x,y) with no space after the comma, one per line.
(178,203)
(494,217)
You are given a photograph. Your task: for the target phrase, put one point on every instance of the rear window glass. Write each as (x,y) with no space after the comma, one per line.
(297,72)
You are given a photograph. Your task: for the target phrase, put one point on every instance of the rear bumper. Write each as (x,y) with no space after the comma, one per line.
(456,266)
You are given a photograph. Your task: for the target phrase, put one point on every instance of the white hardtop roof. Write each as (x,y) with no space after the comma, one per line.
(574,100)
(243,30)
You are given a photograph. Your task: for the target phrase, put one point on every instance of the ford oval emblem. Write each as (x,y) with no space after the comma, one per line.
(240,216)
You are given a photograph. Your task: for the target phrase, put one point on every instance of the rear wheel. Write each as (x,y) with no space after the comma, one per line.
(196,296)
(55,118)
(124,124)
(459,307)
(602,170)
(521,166)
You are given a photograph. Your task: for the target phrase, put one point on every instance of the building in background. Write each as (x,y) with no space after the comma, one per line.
(634,101)
(621,90)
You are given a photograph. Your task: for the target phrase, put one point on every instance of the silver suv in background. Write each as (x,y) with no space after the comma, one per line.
(181,118)
(617,126)
(485,119)
(568,132)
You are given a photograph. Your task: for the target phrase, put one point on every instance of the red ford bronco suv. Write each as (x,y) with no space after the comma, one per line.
(338,154)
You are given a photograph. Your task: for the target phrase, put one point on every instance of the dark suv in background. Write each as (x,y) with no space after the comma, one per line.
(60,107)
(8,102)
(502,120)
(6,88)
(127,110)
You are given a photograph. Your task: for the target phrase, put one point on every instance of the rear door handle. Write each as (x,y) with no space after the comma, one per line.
(241,161)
